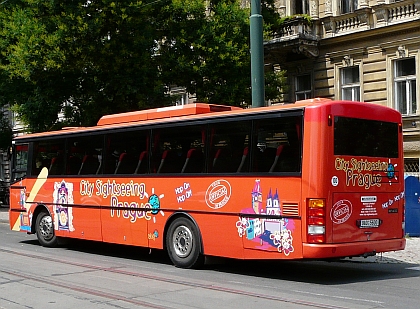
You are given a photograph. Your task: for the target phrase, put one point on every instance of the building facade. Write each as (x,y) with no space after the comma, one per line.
(364,50)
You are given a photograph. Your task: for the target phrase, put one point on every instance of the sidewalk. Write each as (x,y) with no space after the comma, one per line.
(410,255)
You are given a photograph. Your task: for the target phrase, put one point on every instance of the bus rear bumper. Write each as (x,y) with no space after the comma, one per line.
(365,248)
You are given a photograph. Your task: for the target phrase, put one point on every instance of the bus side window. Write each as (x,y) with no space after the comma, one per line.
(49,154)
(277,145)
(84,155)
(229,147)
(90,165)
(179,149)
(141,167)
(126,152)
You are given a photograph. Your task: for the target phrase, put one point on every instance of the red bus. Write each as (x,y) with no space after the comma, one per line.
(313,180)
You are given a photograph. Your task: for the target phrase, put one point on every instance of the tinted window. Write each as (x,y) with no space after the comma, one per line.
(229,147)
(84,155)
(370,138)
(277,145)
(178,149)
(127,153)
(49,154)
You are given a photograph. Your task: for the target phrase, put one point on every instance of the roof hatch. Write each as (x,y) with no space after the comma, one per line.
(165,112)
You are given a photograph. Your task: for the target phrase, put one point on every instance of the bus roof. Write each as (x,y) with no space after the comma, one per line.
(183,112)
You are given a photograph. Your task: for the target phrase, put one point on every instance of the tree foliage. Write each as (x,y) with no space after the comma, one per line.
(96,57)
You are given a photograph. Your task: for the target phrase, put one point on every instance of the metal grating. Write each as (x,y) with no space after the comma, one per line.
(290,209)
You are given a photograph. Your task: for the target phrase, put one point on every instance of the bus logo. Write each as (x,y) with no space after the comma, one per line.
(341,211)
(218,194)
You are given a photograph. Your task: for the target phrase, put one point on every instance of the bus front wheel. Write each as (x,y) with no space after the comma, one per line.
(44,228)
(183,244)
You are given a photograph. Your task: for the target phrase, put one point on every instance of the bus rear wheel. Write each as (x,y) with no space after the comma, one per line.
(183,244)
(44,228)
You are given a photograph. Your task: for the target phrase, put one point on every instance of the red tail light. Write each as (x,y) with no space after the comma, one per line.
(316,221)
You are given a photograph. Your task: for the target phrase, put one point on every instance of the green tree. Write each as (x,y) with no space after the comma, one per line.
(212,61)
(90,58)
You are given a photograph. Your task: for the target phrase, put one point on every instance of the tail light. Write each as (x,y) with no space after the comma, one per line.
(316,221)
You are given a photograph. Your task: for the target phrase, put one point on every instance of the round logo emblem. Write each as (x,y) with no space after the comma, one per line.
(341,211)
(334,181)
(218,194)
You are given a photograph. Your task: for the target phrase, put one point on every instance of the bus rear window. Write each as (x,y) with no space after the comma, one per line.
(368,138)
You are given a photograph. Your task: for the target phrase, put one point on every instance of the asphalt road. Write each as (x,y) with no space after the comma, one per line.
(85,274)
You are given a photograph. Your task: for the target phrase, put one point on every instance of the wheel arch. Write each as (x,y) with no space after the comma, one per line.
(175,216)
(38,209)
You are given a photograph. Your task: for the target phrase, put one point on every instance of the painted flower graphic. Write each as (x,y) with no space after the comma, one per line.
(242,224)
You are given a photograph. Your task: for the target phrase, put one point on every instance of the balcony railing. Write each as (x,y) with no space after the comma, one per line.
(295,28)
(397,12)
(376,16)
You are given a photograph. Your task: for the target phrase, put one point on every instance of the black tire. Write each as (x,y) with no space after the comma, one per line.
(183,244)
(44,228)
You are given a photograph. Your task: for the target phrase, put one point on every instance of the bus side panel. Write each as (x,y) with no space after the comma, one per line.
(127,225)
(219,237)
(58,195)
(226,209)
(317,144)
(18,214)
(277,196)
(241,206)
(79,221)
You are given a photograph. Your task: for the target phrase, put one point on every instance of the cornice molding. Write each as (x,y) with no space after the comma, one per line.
(339,55)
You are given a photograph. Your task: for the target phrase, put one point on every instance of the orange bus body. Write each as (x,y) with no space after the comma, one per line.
(337,205)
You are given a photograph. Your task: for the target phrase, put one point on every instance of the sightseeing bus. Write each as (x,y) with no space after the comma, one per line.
(317,179)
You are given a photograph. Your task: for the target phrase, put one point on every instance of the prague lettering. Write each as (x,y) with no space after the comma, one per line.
(362,173)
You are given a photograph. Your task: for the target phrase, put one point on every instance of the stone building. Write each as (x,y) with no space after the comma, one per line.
(365,50)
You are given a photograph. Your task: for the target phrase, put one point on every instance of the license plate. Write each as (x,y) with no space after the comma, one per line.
(368,223)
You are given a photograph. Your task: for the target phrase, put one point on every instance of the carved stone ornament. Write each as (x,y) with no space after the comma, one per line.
(381,15)
(309,51)
(347,61)
(401,52)
(314,8)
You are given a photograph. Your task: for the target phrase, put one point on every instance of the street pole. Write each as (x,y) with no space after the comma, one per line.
(257,54)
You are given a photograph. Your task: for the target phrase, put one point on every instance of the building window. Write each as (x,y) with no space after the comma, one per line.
(348,6)
(405,86)
(350,83)
(411,167)
(303,89)
(302,7)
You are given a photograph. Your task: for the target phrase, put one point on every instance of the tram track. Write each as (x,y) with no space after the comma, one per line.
(119,297)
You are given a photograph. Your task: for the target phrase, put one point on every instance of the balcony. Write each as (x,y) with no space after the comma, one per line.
(387,14)
(376,16)
(296,36)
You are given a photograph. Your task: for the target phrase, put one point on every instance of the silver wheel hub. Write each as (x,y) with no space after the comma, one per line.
(182,241)
(46,228)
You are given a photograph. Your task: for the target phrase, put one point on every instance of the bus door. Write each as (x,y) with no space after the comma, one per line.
(18,189)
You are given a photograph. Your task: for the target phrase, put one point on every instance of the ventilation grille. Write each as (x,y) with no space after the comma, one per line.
(290,209)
